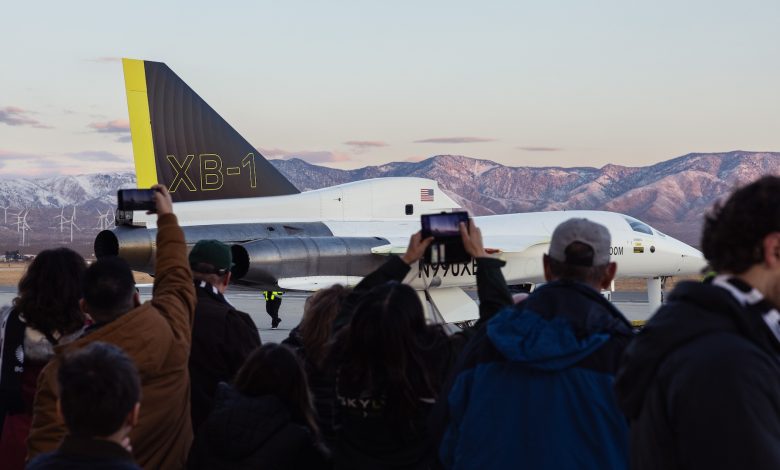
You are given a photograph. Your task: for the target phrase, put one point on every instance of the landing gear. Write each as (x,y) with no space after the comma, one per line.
(655,293)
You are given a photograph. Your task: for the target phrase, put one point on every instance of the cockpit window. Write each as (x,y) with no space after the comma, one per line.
(638,226)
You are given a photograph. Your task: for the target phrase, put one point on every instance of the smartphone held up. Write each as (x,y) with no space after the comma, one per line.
(447,245)
(136,200)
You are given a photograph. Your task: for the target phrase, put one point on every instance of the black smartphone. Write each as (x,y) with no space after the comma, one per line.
(447,246)
(136,200)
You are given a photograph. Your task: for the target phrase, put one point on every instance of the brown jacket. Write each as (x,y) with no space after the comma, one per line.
(157,336)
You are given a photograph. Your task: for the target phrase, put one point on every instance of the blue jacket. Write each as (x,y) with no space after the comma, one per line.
(534,388)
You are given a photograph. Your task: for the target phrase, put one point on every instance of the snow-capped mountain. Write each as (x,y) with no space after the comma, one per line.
(671,195)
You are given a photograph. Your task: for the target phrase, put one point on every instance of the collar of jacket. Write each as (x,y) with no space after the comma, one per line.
(92,447)
(752,299)
(209,290)
(102,331)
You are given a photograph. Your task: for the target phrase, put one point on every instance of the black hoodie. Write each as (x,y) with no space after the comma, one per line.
(701,384)
(253,432)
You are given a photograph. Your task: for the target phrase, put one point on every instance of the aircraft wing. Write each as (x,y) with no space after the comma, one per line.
(496,244)
(313,283)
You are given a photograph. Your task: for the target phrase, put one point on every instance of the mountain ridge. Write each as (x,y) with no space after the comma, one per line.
(672,195)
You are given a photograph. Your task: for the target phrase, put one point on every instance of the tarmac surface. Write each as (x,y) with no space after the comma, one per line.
(633,305)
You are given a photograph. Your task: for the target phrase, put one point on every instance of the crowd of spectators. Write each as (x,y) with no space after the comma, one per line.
(90,377)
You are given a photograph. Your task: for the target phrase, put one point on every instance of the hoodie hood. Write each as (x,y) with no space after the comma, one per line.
(557,326)
(693,309)
(240,425)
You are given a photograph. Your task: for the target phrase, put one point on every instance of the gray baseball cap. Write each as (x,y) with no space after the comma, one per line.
(596,236)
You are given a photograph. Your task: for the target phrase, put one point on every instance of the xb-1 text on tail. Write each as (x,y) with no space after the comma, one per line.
(180,141)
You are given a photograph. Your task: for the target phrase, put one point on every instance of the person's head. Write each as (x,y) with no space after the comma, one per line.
(317,324)
(109,289)
(735,233)
(579,251)
(211,261)
(385,348)
(274,369)
(742,236)
(99,391)
(50,290)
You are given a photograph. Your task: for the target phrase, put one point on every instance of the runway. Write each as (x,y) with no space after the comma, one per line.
(633,305)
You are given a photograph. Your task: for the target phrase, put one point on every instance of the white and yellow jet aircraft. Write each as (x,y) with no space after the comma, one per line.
(281,238)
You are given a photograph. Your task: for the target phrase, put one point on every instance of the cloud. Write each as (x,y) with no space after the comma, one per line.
(13,116)
(119,127)
(7,155)
(97,156)
(116,126)
(273,153)
(17,164)
(454,140)
(541,149)
(105,60)
(362,146)
(311,156)
(322,156)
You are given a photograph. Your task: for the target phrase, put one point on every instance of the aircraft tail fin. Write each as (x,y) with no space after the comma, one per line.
(180,141)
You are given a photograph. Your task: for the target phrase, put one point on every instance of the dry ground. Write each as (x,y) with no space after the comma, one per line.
(11,272)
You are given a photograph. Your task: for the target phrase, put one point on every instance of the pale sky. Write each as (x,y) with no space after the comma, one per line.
(354,83)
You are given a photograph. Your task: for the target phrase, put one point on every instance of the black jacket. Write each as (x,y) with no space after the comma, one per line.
(222,338)
(370,439)
(253,432)
(79,452)
(321,385)
(701,385)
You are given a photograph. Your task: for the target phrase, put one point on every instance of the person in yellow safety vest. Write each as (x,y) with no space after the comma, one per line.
(273,300)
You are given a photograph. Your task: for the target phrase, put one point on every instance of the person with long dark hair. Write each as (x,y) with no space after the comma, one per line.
(265,419)
(45,313)
(390,367)
(311,339)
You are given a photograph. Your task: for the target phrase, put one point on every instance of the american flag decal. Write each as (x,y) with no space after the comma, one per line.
(426,195)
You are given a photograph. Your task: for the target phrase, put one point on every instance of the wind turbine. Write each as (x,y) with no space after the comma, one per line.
(19,216)
(25,228)
(72,223)
(112,219)
(22,227)
(62,219)
(103,222)
(5,213)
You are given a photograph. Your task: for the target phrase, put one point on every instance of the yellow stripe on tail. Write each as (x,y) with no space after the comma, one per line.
(140,122)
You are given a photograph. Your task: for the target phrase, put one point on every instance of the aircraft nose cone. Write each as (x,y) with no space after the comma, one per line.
(691,261)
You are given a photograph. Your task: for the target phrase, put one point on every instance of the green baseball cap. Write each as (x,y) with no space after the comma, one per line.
(211,257)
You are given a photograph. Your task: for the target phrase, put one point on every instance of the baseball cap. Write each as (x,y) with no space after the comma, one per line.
(211,257)
(584,231)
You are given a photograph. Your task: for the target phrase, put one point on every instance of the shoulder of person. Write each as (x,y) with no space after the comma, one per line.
(5,314)
(238,315)
(236,320)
